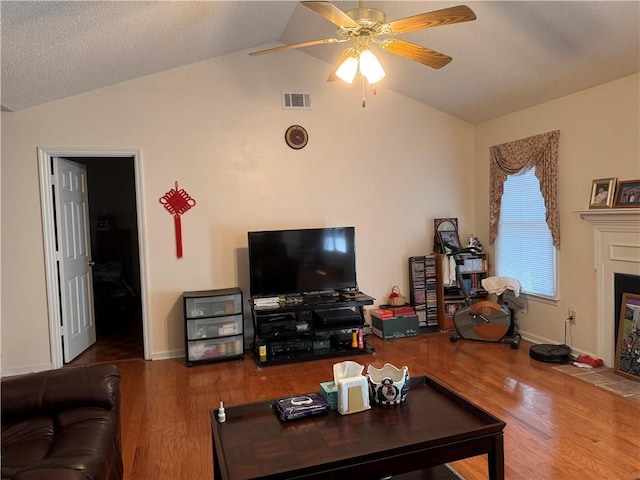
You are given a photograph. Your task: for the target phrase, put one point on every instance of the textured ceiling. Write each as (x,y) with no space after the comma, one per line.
(515,55)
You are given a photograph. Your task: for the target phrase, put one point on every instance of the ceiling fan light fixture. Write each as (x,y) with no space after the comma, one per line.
(366,27)
(370,67)
(347,71)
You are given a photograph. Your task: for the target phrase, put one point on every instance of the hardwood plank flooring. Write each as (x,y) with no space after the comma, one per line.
(557,427)
(121,341)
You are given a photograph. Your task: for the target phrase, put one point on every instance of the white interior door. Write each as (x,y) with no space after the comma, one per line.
(74,257)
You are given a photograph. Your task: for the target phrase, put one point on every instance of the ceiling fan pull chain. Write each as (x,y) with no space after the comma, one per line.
(364,101)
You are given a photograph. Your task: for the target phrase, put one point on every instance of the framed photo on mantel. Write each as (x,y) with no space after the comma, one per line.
(602,191)
(628,194)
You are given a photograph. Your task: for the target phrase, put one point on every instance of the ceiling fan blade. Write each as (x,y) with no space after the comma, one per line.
(298,45)
(332,13)
(415,52)
(343,56)
(446,16)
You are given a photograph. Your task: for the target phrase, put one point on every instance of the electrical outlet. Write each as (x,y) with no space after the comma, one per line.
(571,316)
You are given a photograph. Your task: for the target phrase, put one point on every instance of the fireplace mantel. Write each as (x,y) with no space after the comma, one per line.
(616,218)
(616,249)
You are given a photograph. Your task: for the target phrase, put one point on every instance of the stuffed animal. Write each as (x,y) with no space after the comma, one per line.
(474,242)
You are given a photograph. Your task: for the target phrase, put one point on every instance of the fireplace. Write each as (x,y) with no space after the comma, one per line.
(616,257)
(623,283)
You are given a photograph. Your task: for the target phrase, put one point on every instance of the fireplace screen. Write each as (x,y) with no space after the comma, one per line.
(627,361)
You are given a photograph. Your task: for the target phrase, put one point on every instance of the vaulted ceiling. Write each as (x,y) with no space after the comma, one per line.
(514,55)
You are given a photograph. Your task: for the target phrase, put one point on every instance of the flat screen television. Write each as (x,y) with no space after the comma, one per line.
(283,262)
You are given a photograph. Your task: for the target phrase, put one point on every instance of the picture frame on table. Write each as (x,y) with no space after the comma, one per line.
(627,194)
(449,237)
(602,193)
(627,361)
(443,225)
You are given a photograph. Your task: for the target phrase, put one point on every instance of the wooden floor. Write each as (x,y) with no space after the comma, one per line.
(557,427)
(122,341)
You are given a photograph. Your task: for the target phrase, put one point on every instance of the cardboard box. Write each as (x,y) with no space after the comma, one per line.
(382,313)
(396,327)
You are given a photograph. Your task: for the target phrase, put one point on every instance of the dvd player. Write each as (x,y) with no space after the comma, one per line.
(275,328)
(290,347)
(277,323)
(337,317)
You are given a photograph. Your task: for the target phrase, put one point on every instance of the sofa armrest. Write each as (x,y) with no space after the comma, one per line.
(44,393)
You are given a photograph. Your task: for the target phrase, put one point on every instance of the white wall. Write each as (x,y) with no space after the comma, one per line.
(217,127)
(599,138)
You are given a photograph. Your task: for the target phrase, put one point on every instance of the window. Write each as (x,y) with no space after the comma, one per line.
(524,247)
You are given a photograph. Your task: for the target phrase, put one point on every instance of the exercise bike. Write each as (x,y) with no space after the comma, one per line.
(483,321)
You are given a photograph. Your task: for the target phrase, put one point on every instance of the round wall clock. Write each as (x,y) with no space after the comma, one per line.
(296,137)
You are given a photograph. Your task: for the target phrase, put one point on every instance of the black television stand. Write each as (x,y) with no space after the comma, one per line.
(316,326)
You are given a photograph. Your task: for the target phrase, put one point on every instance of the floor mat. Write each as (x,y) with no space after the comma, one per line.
(605,379)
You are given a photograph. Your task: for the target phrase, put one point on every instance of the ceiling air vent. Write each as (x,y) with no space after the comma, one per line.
(296,100)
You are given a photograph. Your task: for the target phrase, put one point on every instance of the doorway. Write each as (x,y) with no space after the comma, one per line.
(113,227)
(117,251)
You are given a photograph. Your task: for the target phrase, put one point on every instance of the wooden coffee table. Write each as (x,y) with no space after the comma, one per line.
(433,426)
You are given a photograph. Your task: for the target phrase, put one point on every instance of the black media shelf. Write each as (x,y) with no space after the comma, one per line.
(306,357)
(297,332)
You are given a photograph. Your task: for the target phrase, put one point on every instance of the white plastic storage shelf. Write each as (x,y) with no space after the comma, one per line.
(213,306)
(214,326)
(217,348)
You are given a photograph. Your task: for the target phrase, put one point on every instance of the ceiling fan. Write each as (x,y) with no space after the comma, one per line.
(365,27)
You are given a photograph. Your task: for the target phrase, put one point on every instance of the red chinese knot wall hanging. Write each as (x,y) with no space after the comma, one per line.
(177,202)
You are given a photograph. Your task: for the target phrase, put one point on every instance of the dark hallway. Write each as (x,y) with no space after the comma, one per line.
(116,270)
(124,342)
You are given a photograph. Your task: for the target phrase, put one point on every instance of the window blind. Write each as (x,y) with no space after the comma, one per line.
(524,247)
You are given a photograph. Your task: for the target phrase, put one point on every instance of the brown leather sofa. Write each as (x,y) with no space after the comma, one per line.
(62,424)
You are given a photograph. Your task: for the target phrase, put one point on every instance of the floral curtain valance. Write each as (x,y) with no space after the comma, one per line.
(513,158)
